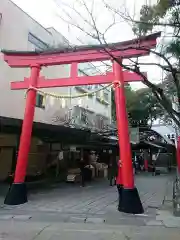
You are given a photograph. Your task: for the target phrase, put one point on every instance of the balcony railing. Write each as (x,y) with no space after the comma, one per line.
(79,117)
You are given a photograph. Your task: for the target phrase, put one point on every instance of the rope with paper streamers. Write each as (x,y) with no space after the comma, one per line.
(63,97)
(67,96)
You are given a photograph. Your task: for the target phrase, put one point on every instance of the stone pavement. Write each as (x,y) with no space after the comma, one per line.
(15,230)
(70,212)
(96,203)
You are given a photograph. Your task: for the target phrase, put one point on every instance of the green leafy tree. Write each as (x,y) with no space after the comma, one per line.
(130,94)
(164,14)
(151,15)
(142,106)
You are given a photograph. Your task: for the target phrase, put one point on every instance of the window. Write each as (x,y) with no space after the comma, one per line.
(38,43)
(103,97)
(40,101)
(106,96)
(96,86)
(87,87)
(83,116)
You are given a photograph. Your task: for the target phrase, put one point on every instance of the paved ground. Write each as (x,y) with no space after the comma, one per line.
(96,198)
(69,231)
(70,212)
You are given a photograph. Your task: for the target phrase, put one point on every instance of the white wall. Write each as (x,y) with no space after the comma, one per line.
(14,28)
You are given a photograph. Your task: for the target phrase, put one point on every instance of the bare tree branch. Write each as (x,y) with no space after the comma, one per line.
(126,16)
(100,37)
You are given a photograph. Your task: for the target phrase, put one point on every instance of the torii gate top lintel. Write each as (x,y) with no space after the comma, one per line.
(79,54)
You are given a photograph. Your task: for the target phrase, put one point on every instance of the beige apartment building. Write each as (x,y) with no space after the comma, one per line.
(18,31)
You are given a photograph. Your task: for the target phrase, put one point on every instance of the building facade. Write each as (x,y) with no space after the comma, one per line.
(19,32)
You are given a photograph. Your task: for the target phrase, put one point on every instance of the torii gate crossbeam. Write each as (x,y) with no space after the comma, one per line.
(75,80)
(129,200)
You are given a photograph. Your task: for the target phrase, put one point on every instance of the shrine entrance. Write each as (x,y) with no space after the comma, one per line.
(129,200)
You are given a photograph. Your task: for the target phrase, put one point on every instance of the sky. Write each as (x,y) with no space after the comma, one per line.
(47,13)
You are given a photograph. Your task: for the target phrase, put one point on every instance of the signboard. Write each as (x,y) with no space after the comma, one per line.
(134,135)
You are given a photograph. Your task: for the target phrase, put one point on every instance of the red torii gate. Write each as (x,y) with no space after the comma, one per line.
(129,200)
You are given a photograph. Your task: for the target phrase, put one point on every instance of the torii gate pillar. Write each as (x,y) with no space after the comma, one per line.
(129,200)
(18,193)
